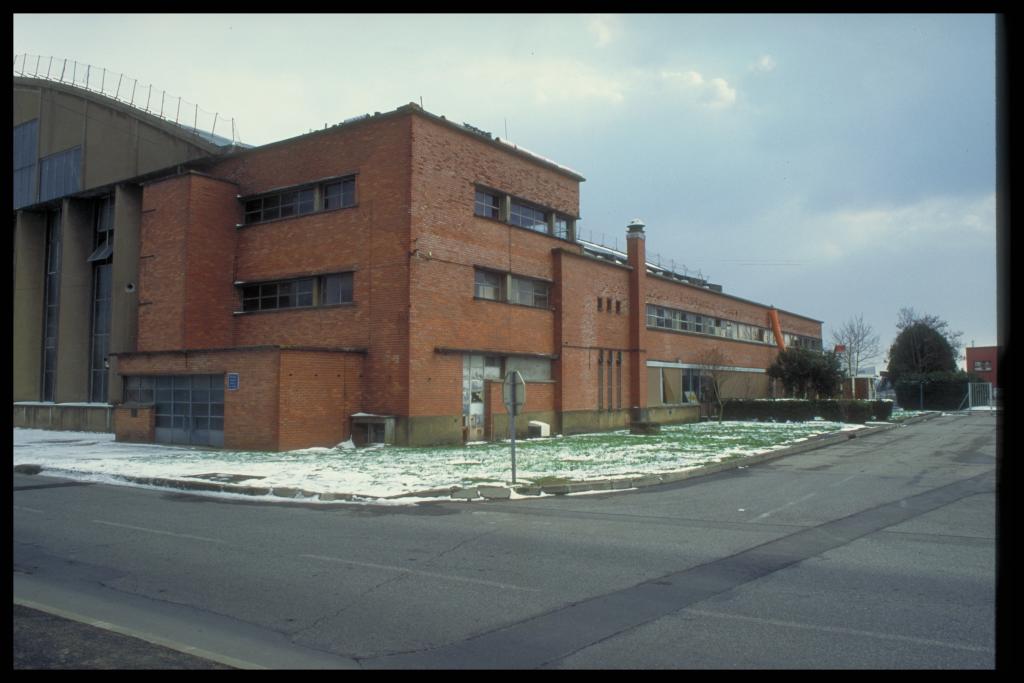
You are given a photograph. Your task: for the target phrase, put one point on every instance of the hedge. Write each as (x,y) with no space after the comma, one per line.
(802,411)
(942,390)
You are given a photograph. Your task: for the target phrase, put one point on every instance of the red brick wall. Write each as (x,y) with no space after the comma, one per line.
(251,412)
(210,260)
(449,241)
(138,429)
(585,330)
(983,353)
(371,239)
(187,249)
(319,392)
(664,345)
(162,263)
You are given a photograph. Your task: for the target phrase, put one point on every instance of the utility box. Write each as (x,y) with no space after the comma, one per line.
(538,429)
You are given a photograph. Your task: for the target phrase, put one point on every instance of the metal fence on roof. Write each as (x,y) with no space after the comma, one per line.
(130,91)
(612,243)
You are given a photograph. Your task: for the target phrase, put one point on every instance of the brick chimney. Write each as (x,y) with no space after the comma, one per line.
(636,253)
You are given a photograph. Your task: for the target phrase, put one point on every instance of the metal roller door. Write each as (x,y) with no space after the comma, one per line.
(189,408)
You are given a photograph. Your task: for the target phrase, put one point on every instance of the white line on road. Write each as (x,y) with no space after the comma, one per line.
(405,570)
(789,504)
(22,507)
(845,631)
(158,531)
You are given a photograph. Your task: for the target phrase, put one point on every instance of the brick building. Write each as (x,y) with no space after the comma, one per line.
(983,361)
(373,280)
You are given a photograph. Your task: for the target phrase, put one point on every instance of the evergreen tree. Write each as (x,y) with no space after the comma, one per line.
(803,372)
(924,344)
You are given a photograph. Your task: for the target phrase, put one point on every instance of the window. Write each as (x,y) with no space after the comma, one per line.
(100,333)
(26,152)
(51,300)
(274,295)
(332,289)
(682,321)
(336,289)
(530,368)
(60,174)
(561,227)
(489,285)
(301,200)
(486,205)
(279,205)
(340,194)
(494,286)
(528,217)
(523,214)
(492,367)
(672,386)
(103,249)
(529,292)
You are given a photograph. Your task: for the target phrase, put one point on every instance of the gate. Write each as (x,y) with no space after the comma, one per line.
(979,394)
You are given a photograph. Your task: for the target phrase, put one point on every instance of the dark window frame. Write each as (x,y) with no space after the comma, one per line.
(485,280)
(484,208)
(345,289)
(530,216)
(300,200)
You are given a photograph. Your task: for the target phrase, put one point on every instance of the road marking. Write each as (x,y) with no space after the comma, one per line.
(158,531)
(22,507)
(843,481)
(435,575)
(844,631)
(789,504)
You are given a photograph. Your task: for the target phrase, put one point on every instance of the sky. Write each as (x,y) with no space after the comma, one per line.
(830,165)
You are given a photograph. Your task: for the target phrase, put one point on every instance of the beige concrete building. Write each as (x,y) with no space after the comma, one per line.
(80,160)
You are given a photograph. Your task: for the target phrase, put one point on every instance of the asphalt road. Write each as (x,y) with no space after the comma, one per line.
(876,553)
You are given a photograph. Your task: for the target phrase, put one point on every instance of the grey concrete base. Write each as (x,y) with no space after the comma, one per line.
(64,417)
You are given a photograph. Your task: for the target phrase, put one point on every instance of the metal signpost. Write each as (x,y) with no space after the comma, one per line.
(514,396)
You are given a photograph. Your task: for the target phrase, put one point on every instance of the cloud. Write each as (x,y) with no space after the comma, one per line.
(715,93)
(764,63)
(600,25)
(545,81)
(911,228)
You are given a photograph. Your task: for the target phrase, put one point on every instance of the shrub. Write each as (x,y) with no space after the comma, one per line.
(941,390)
(857,412)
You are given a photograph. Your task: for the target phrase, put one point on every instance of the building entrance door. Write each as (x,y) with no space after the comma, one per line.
(476,369)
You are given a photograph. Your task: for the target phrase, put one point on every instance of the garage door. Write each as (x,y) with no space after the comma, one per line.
(189,408)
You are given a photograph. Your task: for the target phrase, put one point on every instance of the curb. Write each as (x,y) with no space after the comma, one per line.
(491,492)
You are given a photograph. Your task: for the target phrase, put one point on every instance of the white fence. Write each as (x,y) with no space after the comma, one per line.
(979,395)
(128,91)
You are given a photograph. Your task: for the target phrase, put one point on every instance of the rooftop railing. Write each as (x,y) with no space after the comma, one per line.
(666,266)
(130,91)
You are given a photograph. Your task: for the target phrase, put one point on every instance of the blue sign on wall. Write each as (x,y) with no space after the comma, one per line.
(232,381)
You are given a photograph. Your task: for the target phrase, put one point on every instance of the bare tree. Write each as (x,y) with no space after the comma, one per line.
(858,342)
(714,367)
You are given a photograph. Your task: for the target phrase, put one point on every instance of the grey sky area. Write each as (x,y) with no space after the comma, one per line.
(830,165)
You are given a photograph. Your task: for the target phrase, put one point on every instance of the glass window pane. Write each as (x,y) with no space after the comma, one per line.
(485,204)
